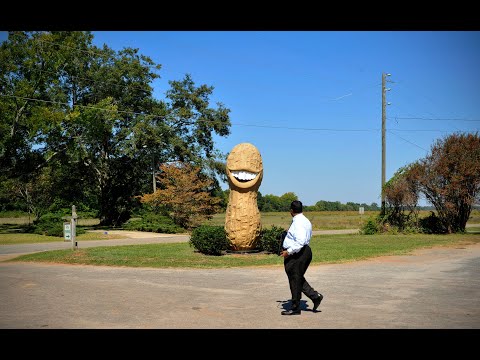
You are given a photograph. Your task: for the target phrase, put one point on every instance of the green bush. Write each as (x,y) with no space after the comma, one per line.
(51,224)
(153,223)
(209,239)
(411,229)
(270,239)
(370,227)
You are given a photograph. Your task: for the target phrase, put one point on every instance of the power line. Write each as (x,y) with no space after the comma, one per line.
(83,106)
(433,119)
(307,129)
(414,130)
(91,51)
(232,123)
(146,114)
(107,56)
(154,66)
(94,82)
(390,131)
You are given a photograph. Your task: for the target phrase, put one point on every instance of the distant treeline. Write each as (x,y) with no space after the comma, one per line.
(323,205)
(273,203)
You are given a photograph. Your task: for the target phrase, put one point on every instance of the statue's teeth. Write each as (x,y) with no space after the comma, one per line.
(244,175)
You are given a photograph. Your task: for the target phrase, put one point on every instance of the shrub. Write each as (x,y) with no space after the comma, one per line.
(51,224)
(14,214)
(432,224)
(270,239)
(411,230)
(209,239)
(370,227)
(153,223)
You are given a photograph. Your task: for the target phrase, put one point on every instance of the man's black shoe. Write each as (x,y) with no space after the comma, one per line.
(317,301)
(292,312)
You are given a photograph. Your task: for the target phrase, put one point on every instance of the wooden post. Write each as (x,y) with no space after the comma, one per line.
(73,226)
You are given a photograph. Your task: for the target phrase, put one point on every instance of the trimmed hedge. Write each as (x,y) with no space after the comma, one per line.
(209,239)
(270,239)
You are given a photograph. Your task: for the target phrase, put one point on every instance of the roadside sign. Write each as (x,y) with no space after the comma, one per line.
(361,210)
(67,231)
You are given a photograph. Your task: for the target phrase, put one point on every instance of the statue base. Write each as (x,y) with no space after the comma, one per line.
(246,252)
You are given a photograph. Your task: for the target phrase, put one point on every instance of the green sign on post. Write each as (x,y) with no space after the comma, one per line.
(67,231)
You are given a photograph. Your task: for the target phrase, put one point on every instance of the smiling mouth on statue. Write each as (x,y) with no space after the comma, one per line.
(243,176)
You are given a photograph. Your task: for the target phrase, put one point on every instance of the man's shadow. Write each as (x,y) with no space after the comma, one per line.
(304,306)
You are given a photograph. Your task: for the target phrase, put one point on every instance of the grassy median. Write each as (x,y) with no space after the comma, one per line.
(325,248)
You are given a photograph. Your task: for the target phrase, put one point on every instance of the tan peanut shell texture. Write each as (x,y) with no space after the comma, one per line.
(242,219)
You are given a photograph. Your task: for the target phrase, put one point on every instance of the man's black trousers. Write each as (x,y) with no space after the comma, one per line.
(296,266)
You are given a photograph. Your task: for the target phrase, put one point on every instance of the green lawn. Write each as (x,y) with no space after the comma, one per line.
(13,238)
(326,249)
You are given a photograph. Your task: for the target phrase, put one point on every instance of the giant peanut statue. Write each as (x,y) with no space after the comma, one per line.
(242,219)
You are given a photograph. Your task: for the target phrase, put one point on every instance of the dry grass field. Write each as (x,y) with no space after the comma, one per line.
(326,220)
(321,220)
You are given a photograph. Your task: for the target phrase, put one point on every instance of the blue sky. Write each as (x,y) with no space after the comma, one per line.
(311,101)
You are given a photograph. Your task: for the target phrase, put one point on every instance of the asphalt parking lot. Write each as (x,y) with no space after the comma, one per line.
(431,289)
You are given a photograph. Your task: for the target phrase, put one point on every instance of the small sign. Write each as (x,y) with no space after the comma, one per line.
(67,231)
(361,210)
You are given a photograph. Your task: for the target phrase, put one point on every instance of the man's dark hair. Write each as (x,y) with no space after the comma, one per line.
(296,206)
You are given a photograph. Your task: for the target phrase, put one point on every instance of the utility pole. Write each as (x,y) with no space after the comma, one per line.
(384,116)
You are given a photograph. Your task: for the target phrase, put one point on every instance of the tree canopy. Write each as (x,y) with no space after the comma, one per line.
(449,177)
(401,195)
(80,123)
(185,195)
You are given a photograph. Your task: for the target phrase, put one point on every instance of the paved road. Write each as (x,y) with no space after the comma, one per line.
(134,237)
(434,289)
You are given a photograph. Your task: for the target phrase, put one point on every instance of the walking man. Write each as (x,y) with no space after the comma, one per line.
(297,257)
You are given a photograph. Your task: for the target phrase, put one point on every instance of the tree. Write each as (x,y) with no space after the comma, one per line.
(88,114)
(34,195)
(324,205)
(260,202)
(401,195)
(286,200)
(450,178)
(185,194)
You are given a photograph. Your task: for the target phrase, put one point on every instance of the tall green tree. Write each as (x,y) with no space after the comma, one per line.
(88,115)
